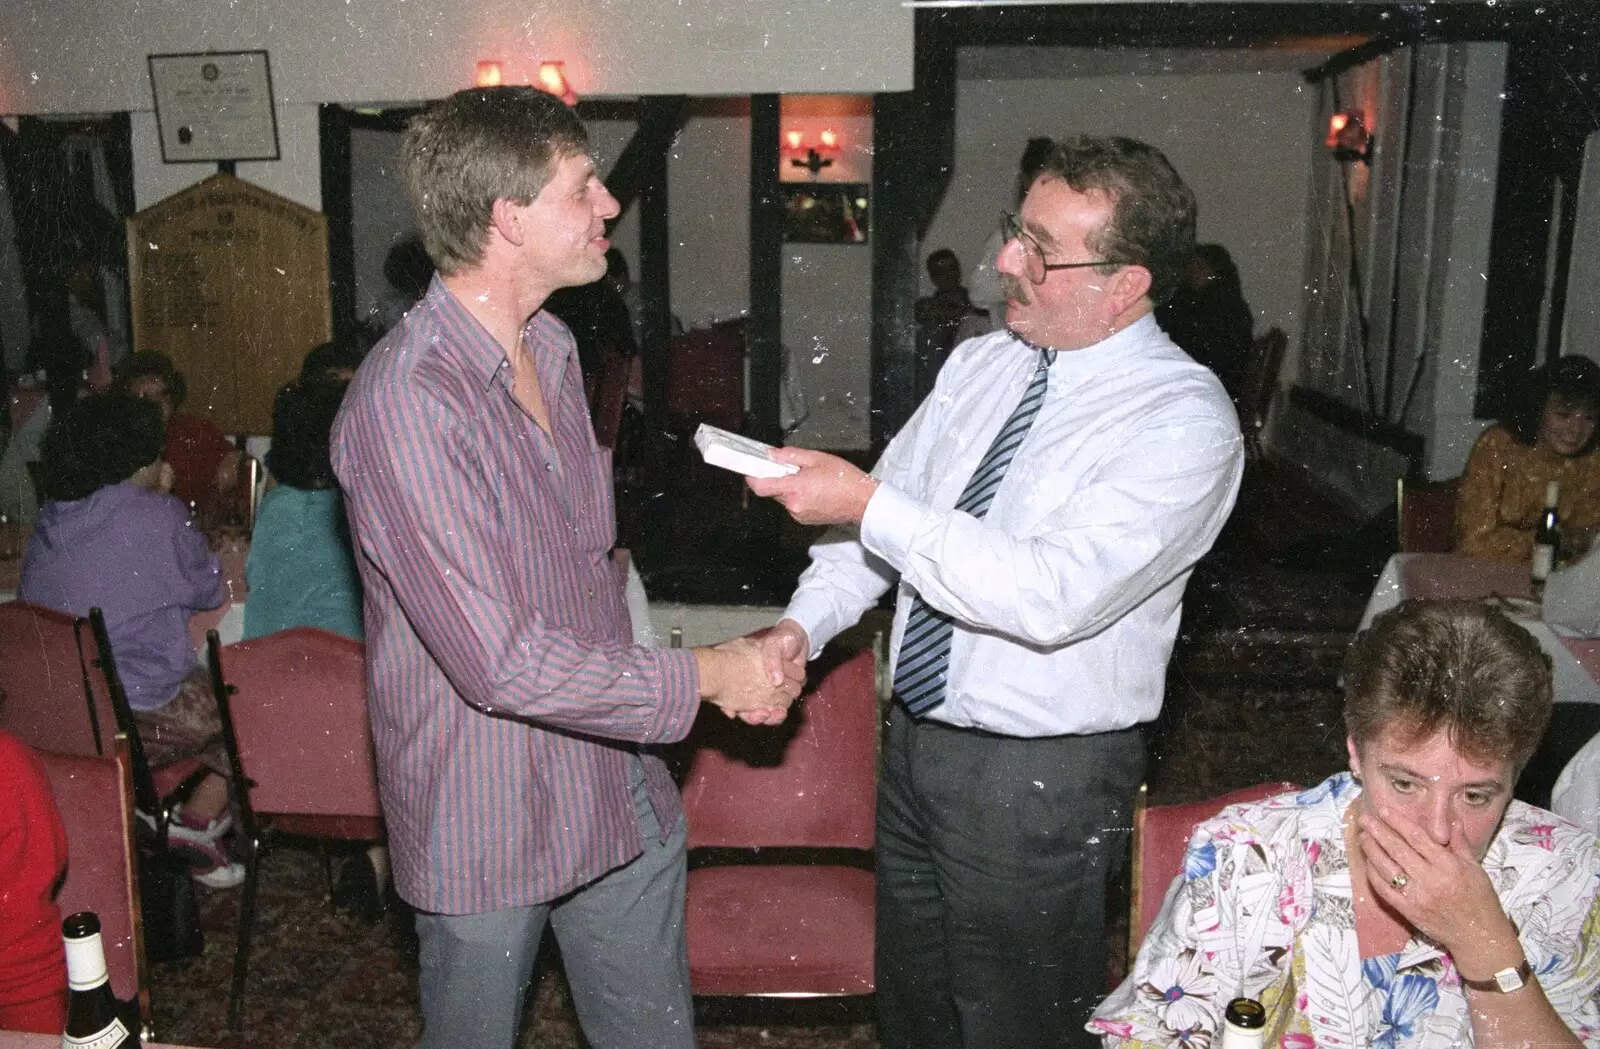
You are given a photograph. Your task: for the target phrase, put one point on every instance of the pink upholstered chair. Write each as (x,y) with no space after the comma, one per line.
(1160,839)
(95,796)
(51,702)
(1427,514)
(800,921)
(294,720)
(157,789)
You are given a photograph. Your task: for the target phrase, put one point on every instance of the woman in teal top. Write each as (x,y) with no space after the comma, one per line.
(302,570)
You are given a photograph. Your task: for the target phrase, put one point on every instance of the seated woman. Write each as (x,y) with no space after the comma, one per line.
(1406,904)
(1550,436)
(205,465)
(302,570)
(110,537)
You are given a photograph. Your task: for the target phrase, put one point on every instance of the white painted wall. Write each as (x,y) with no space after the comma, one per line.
(827,294)
(89,55)
(66,56)
(1580,331)
(1239,139)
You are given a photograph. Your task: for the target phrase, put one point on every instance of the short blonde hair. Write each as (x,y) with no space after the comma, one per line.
(463,153)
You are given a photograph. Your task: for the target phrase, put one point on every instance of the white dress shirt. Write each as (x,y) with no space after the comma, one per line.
(1066,596)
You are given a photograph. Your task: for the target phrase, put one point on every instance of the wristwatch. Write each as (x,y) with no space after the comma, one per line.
(1505,981)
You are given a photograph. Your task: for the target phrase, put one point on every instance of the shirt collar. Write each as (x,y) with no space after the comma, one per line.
(1112,348)
(476,349)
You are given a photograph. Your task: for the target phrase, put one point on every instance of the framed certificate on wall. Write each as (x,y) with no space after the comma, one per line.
(213,106)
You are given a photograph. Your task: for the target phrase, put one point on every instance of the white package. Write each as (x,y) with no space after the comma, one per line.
(740,454)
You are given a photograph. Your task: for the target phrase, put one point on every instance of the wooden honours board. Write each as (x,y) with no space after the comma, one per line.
(231,282)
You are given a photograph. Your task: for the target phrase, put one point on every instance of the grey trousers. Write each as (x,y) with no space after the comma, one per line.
(622,944)
(992,859)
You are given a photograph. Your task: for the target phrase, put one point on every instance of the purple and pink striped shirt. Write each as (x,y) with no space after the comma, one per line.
(505,695)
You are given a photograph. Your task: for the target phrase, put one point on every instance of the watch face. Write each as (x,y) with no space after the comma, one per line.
(1509,979)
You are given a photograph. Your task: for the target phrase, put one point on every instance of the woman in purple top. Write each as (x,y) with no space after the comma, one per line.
(110,537)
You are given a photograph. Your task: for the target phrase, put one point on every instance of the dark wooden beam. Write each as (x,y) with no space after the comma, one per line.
(642,174)
(334,124)
(661,117)
(763,332)
(912,149)
(1545,122)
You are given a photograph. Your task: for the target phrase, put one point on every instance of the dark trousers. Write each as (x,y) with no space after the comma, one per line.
(992,859)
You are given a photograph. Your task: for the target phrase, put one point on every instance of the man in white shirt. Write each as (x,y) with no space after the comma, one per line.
(1041,512)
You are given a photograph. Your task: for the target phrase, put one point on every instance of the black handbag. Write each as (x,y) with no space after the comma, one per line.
(170,907)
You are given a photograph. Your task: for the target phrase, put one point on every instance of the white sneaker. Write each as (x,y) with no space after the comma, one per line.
(178,830)
(226,876)
(210,866)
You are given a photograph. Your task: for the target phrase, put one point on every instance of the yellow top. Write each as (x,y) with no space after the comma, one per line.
(1502,495)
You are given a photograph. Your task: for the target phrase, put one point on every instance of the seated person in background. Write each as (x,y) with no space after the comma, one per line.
(33,860)
(205,465)
(1406,904)
(110,537)
(336,360)
(1550,436)
(1576,795)
(64,361)
(1208,317)
(940,316)
(302,571)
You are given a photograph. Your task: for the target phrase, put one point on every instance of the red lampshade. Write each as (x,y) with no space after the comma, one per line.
(553,78)
(488,75)
(1347,136)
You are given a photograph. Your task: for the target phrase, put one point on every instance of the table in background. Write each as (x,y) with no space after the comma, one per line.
(1437,576)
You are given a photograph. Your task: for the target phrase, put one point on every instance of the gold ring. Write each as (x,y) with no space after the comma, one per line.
(1400,881)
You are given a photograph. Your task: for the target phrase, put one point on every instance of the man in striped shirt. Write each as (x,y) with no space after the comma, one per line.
(513,720)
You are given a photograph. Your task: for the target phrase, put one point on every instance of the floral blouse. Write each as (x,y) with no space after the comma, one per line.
(1502,495)
(1264,909)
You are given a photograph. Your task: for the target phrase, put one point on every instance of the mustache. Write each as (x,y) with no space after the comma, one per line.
(1013,289)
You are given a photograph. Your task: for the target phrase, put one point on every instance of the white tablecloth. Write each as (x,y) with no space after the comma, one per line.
(1573,682)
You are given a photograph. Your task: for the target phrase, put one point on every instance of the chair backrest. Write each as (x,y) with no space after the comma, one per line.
(810,782)
(1427,513)
(95,797)
(705,377)
(1261,380)
(51,700)
(611,396)
(298,711)
(1160,839)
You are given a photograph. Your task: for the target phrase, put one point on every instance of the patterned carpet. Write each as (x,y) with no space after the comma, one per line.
(1252,696)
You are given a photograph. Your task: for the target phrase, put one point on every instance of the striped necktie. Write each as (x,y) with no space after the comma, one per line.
(924,663)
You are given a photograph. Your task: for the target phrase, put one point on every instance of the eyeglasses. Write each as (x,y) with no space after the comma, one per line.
(1033,263)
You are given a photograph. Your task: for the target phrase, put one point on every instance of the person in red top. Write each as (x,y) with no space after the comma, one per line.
(33,860)
(205,464)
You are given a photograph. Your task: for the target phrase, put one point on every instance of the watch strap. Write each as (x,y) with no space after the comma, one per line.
(1522,973)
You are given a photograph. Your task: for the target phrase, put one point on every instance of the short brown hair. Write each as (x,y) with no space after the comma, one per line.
(1153,211)
(465,152)
(1459,666)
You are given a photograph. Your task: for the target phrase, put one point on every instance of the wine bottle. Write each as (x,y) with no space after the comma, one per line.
(1546,539)
(92,1017)
(1244,1025)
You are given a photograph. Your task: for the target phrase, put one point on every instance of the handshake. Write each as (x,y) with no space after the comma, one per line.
(755,679)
